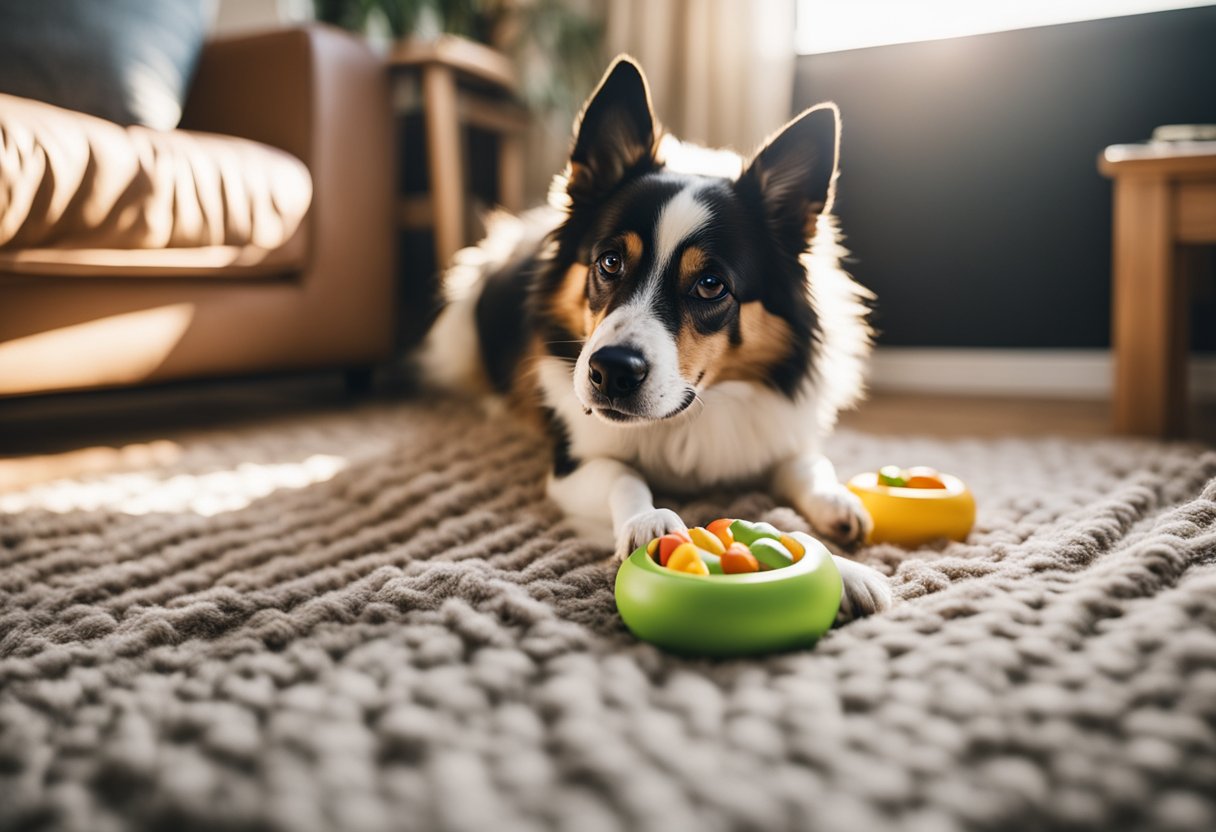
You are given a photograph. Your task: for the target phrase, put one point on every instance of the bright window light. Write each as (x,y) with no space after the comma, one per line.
(836,25)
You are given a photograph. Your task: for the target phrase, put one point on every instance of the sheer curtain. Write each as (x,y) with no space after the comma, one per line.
(721,71)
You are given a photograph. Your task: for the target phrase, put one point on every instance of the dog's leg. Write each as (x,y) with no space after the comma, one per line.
(809,483)
(609,491)
(866,590)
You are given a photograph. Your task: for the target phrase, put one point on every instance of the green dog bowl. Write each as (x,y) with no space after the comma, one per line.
(729,615)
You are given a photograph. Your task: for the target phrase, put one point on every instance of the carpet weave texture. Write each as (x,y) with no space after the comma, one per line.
(371,619)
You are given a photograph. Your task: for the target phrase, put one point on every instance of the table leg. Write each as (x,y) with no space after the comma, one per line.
(510,171)
(1150,332)
(445,154)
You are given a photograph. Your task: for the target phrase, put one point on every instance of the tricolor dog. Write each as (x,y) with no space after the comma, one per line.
(678,318)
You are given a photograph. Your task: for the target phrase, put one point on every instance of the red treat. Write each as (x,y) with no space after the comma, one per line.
(668,544)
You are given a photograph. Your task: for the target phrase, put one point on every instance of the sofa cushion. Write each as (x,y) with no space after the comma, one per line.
(128,61)
(81,196)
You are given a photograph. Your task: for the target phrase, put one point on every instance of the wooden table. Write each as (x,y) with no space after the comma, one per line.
(457,83)
(1164,201)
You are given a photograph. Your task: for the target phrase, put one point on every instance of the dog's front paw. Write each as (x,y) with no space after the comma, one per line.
(642,528)
(838,515)
(866,591)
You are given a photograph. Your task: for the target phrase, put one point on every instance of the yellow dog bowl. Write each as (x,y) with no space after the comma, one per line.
(914,516)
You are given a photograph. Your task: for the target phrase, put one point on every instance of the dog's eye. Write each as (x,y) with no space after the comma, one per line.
(709,288)
(610,263)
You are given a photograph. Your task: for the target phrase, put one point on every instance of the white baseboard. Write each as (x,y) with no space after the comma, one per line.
(1059,374)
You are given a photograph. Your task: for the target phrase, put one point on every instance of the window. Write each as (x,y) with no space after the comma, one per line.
(835,25)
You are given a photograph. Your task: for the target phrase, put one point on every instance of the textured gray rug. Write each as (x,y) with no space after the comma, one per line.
(370,620)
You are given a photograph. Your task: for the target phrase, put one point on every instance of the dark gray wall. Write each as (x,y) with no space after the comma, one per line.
(969,192)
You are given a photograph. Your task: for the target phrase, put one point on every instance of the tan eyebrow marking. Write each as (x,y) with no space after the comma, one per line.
(692,263)
(633,246)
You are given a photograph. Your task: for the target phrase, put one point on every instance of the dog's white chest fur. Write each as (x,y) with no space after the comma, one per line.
(736,434)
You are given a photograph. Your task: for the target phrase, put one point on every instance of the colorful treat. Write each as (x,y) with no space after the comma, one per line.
(702,550)
(707,540)
(738,559)
(771,553)
(924,482)
(687,558)
(891,476)
(796,549)
(721,528)
(669,542)
(748,533)
(922,477)
(808,542)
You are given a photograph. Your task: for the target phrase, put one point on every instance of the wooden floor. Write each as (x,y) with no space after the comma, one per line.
(57,424)
(895,413)
(988,416)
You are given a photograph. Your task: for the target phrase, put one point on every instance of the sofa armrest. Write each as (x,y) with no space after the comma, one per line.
(283,87)
(323,96)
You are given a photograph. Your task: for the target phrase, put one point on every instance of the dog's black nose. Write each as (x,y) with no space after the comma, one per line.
(617,371)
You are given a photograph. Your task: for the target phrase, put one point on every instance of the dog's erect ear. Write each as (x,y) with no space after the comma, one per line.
(615,136)
(795,172)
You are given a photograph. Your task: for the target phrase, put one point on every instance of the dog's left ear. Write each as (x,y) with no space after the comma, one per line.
(794,173)
(616,136)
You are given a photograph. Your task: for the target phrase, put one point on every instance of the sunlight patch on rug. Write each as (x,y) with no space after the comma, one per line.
(143,492)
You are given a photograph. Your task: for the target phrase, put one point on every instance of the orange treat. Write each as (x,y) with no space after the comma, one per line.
(738,558)
(922,476)
(652,547)
(721,528)
(796,548)
(924,481)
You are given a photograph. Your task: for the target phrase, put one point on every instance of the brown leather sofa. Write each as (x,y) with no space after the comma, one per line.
(257,237)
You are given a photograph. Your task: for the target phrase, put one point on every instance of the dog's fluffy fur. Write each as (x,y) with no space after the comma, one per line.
(677,318)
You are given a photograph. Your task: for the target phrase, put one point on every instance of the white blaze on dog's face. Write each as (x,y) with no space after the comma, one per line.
(681,280)
(629,367)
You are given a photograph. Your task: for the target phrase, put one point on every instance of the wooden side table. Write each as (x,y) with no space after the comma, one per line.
(457,83)
(1164,199)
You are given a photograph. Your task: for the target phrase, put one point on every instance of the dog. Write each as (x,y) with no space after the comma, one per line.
(677,319)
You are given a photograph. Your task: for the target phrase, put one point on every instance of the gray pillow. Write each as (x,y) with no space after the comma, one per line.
(129,61)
